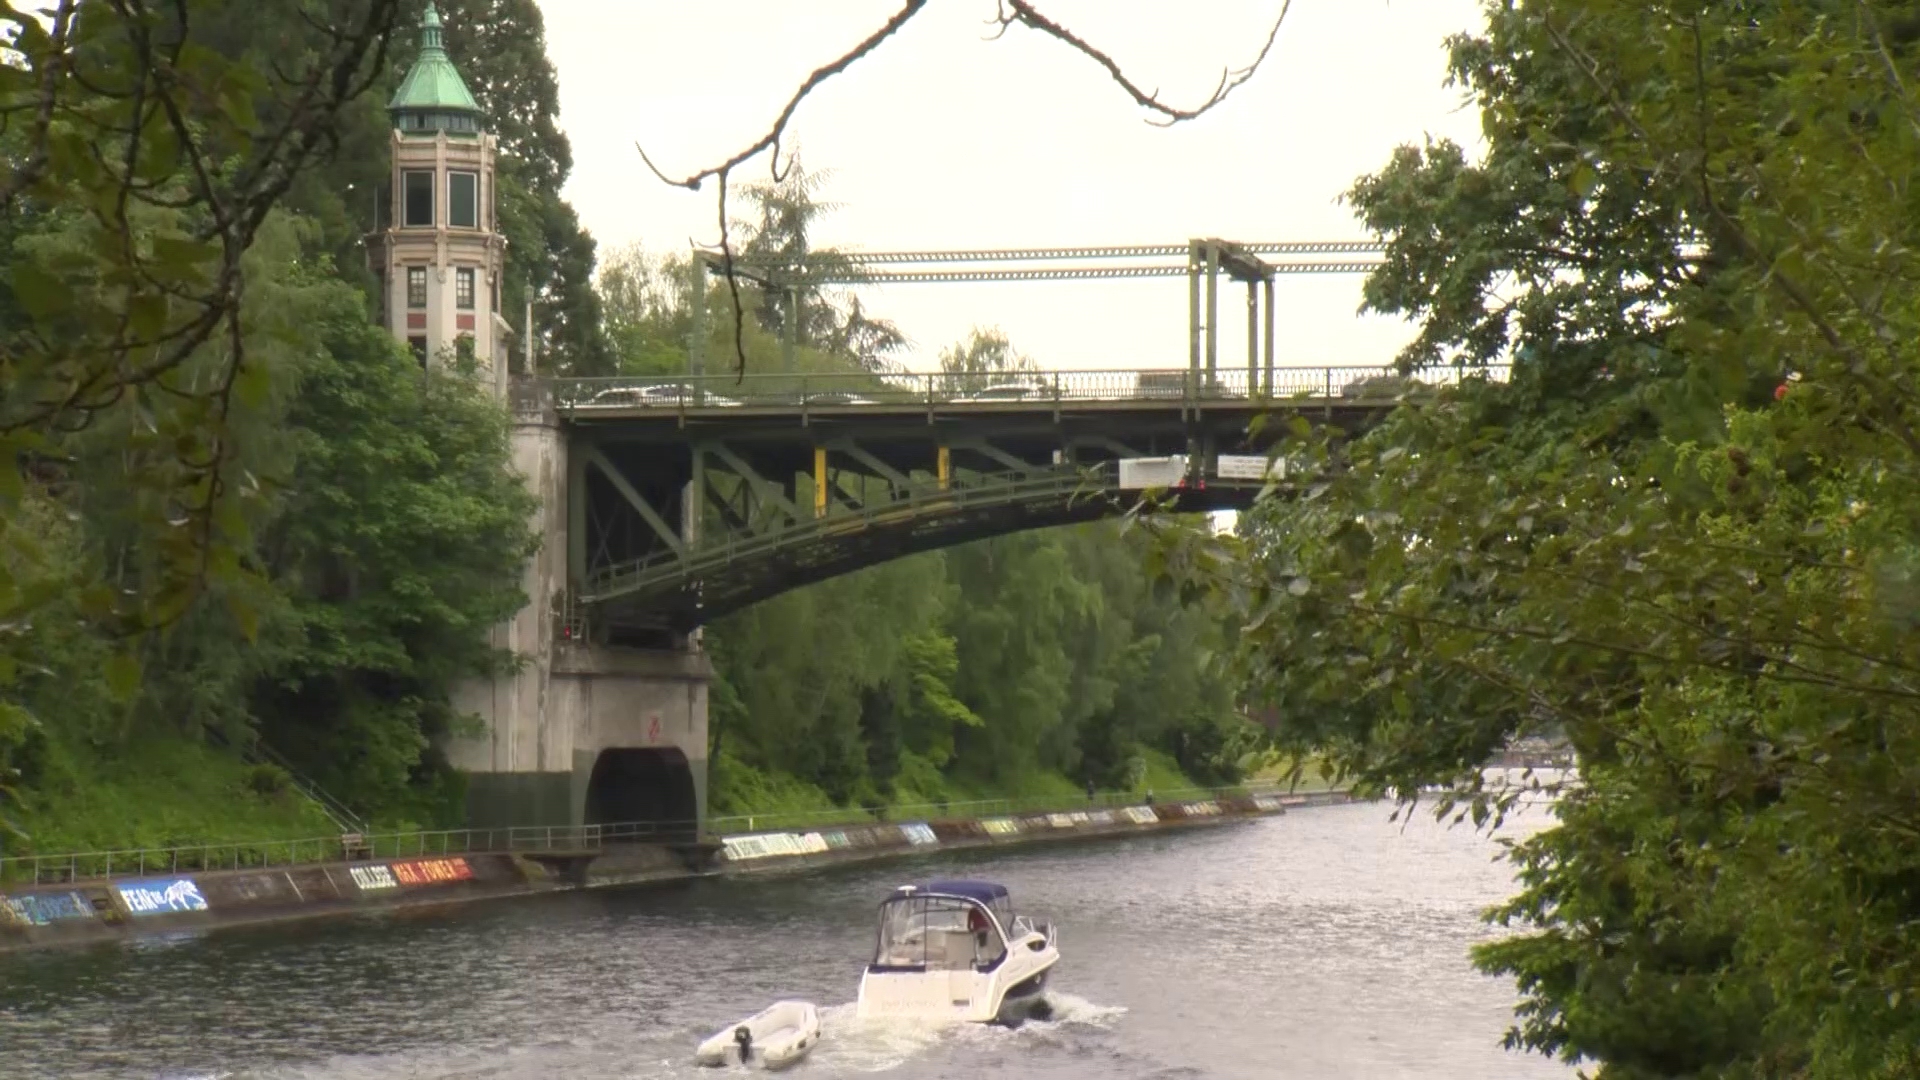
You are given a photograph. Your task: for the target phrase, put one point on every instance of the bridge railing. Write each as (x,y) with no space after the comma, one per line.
(967,390)
(79,867)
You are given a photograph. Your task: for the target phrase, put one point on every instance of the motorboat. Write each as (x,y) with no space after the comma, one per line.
(955,951)
(773,1038)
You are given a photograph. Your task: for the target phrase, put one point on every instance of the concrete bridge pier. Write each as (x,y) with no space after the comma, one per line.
(580,733)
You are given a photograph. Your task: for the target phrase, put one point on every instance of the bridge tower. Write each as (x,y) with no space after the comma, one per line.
(439,252)
(579,732)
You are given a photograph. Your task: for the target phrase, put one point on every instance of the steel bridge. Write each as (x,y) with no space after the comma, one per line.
(692,496)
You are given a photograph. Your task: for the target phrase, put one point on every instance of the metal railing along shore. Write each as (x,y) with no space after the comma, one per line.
(76,867)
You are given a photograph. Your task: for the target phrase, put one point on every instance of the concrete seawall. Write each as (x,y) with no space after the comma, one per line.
(162,903)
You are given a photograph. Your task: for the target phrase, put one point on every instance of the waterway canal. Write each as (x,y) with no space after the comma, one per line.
(1329,943)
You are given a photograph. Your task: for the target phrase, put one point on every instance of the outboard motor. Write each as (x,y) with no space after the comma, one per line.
(743,1038)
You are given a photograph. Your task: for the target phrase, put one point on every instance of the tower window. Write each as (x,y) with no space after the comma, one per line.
(463,200)
(418,346)
(416,286)
(463,288)
(419,197)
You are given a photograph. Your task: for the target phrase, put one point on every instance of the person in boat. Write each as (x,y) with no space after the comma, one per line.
(977,924)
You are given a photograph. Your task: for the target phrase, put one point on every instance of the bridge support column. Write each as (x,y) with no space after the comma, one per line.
(578,733)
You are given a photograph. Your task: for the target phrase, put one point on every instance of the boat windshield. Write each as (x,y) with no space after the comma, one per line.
(937,933)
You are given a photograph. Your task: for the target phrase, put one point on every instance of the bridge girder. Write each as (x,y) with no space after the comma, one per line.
(766,504)
(689,497)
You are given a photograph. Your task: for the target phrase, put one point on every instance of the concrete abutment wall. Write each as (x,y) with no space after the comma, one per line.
(578,731)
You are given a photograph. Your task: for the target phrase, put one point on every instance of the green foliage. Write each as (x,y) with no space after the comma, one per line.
(326,535)
(400,545)
(143,166)
(1683,535)
(157,792)
(739,788)
(976,672)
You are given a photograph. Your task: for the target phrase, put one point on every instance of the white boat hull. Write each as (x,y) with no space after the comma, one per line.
(1011,992)
(774,1038)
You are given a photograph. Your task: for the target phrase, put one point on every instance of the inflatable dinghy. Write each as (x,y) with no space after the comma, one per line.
(773,1038)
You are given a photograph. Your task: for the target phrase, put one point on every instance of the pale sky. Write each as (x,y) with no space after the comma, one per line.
(943,139)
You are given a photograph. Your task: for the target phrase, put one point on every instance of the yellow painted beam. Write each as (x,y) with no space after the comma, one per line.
(819,481)
(945,467)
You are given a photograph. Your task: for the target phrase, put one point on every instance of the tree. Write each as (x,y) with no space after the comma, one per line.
(122,126)
(1660,536)
(788,208)
(644,307)
(399,548)
(985,357)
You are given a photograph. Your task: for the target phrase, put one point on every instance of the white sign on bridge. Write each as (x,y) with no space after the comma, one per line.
(1251,467)
(1152,472)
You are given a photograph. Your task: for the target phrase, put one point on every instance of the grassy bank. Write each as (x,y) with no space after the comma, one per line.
(158,793)
(166,793)
(740,789)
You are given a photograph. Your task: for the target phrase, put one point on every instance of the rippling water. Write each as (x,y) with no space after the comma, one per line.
(1328,943)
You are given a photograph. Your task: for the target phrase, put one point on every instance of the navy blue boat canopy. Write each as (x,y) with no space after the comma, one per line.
(984,891)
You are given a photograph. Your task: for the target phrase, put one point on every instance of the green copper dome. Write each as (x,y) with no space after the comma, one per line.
(433,96)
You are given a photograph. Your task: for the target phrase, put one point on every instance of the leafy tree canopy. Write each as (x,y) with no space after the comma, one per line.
(1681,532)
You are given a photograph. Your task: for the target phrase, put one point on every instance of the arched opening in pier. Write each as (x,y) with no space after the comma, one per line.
(649,788)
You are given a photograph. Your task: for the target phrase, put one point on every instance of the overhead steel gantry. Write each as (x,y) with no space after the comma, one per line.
(1204,261)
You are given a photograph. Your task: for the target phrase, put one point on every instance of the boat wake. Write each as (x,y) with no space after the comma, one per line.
(849,1043)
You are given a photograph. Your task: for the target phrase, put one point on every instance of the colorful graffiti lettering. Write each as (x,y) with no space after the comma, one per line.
(161,897)
(372,878)
(432,871)
(39,909)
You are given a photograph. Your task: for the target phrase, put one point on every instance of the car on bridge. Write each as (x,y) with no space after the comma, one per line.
(660,395)
(1006,392)
(837,397)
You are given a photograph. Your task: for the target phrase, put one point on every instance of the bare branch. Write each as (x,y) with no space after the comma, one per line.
(733,285)
(1024,13)
(820,75)
(1009,12)
(54,66)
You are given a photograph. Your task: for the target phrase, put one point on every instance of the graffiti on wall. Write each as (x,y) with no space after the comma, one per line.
(372,878)
(432,871)
(41,909)
(161,896)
